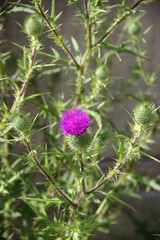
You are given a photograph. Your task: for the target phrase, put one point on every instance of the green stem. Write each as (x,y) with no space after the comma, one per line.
(24,86)
(117,167)
(146,80)
(62,43)
(81,75)
(2,75)
(4,93)
(152,94)
(7,217)
(89,25)
(79,86)
(29,72)
(97,3)
(46,174)
(82,170)
(118,187)
(115,24)
(6,153)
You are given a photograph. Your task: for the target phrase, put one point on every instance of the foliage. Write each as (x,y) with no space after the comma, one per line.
(74,197)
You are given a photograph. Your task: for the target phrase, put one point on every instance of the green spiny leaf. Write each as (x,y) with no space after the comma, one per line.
(121,49)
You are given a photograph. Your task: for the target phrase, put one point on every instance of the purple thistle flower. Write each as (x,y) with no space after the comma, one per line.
(75,122)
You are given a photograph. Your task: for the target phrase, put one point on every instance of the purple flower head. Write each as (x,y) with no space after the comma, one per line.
(75,122)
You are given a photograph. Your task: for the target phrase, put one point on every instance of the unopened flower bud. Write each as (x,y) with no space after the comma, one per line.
(134,28)
(102,72)
(144,113)
(34,26)
(21,122)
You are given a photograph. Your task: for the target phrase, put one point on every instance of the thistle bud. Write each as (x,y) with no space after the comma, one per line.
(21,122)
(144,113)
(34,26)
(102,72)
(134,28)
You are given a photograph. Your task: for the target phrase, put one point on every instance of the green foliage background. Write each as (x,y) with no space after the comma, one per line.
(74,198)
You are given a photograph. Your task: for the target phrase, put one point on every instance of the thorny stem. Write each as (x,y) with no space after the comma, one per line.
(79,86)
(57,35)
(7,216)
(81,76)
(4,93)
(146,80)
(88,24)
(150,89)
(90,36)
(4,6)
(97,3)
(117,188)
(86,9)
(26,82)
(73,215)
(12,109)
(2,75)
(46,174)
(24,85)
(29,73)
(114,25)
(117,167)
(86,57)
(82,170)
(6,148)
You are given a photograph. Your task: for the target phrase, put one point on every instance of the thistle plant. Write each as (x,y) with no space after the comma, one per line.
(68,140)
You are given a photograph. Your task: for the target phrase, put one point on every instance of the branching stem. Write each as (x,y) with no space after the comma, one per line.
(89,24)
(114,25)
(64,46)
(47,176)
(117,167)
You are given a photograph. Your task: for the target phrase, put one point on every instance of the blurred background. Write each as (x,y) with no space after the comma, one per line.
(142,223)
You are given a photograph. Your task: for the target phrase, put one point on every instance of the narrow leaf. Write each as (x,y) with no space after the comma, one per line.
(153,158)
(122,49)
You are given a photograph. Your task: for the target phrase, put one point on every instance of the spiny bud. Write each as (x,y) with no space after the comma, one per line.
(81,142)
(34,26)
(134,28)
(102,72)
(144,113)
(21,122)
